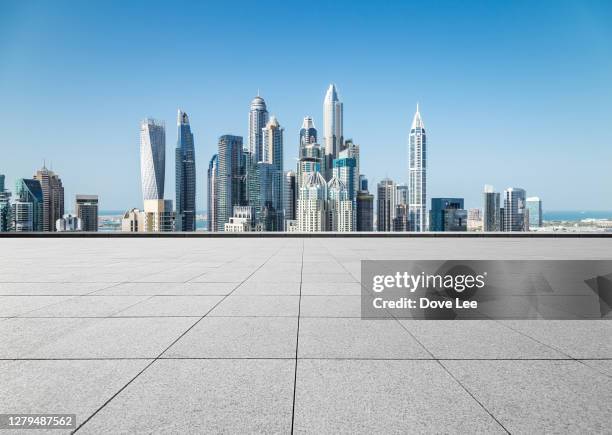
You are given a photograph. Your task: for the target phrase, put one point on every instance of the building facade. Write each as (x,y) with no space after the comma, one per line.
(231,178)
(385,205)
(333,139)
(289,196)
(534,207)
(185,176)
(152,158)
(86,209)
(365,211)
(312,204)
(417,175)
(53,197)
(27,209)
(258,118)
(272,136)
(6,212)
(447,214)
(212,208)
(491,212)
(516,215)
(69,222)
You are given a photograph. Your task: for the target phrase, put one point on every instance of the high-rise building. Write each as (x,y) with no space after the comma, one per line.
(185,176)
(243,220)
(491,216)
(312,204)
(272,136)
(345,169)
(53,197)
(86,209)
(351,150)
(332,128)
(386,205)
(363,183)
(534,206)
(152,158)
(401,194)
(417,175)
(310,161)
(515,210)
(27,208)
(365,211)
(341,216)
(258,118)
(447,214)
(231,178)
(6,212)
(131,221)
(69,222)
(474,219)
(158,216)
(212,209)
(289,196)
(308,133)
(400,218)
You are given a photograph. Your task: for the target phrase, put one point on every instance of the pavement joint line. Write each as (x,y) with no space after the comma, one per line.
(306,358)
(166,349)
(297,341)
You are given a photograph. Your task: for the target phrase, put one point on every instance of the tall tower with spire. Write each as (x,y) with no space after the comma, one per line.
(332,128)
(258,119)
(185,175)
(417,175)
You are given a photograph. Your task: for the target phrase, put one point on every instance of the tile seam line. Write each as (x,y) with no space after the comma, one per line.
(168,347)
(297,341)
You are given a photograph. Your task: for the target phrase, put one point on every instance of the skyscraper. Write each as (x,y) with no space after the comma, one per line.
(332,128)
(53,197)
(365,211)
(28,205)
(86,209)
(289,196)
(258,118)
(341,217)
(152,158)
(185,176)
(308,132)
(5,207)
(417,175)
(534,206)
(231,179)
(491,220)
(272,136)
(310,161)
(386,205)
(515,210)
(212,209)
(345,170)
(447,214)
(312,204)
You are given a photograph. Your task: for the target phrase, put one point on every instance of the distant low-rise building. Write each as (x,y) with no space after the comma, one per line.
(130,223)
(69,222)
(474,219)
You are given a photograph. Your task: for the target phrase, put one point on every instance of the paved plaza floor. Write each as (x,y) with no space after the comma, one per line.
(241,335)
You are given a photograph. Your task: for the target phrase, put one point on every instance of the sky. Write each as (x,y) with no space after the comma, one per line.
(511,93)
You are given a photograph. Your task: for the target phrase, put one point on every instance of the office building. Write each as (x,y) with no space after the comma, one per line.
(385,205)
(363,183)
(243,220)
(86,209)
(365,211)
(534,207)
(6,212)
(401,194)
(69,222)
(212,208)
(185,176)
(400,218)
(345,169)
(231,178)
(447,214)
(515,210)
(417,175)
(157,217)
(310,161)
(272,136)
(341,217)
(308,132)
(289,196)
(27,208)
(491,212)
(333,139)
(53,197)
(152,158)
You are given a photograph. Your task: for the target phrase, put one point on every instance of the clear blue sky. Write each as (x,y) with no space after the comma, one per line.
(512,93)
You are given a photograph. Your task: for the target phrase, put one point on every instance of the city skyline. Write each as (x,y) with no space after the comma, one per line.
(496,118)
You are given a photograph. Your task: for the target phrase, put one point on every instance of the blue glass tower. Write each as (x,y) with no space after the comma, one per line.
(185,176)
(447,214)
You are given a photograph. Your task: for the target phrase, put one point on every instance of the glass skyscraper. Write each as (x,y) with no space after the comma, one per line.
(491,219)
(152,158)
(231,178)
(86,209)
(534,207)
(28,205)
(515,210)
(417,175)
(447,214)
(185,176)
(5,207)
(386,205)
(53,197)
(212,208)
(258,118)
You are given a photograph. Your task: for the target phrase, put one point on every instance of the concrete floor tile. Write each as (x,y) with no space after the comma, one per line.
(238,337)
(159,289)
(331,306)
(384,397)
(243,305)
(18,305)
(539,396)
(87,306)
(203,396)
(260,288)
(192,306)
